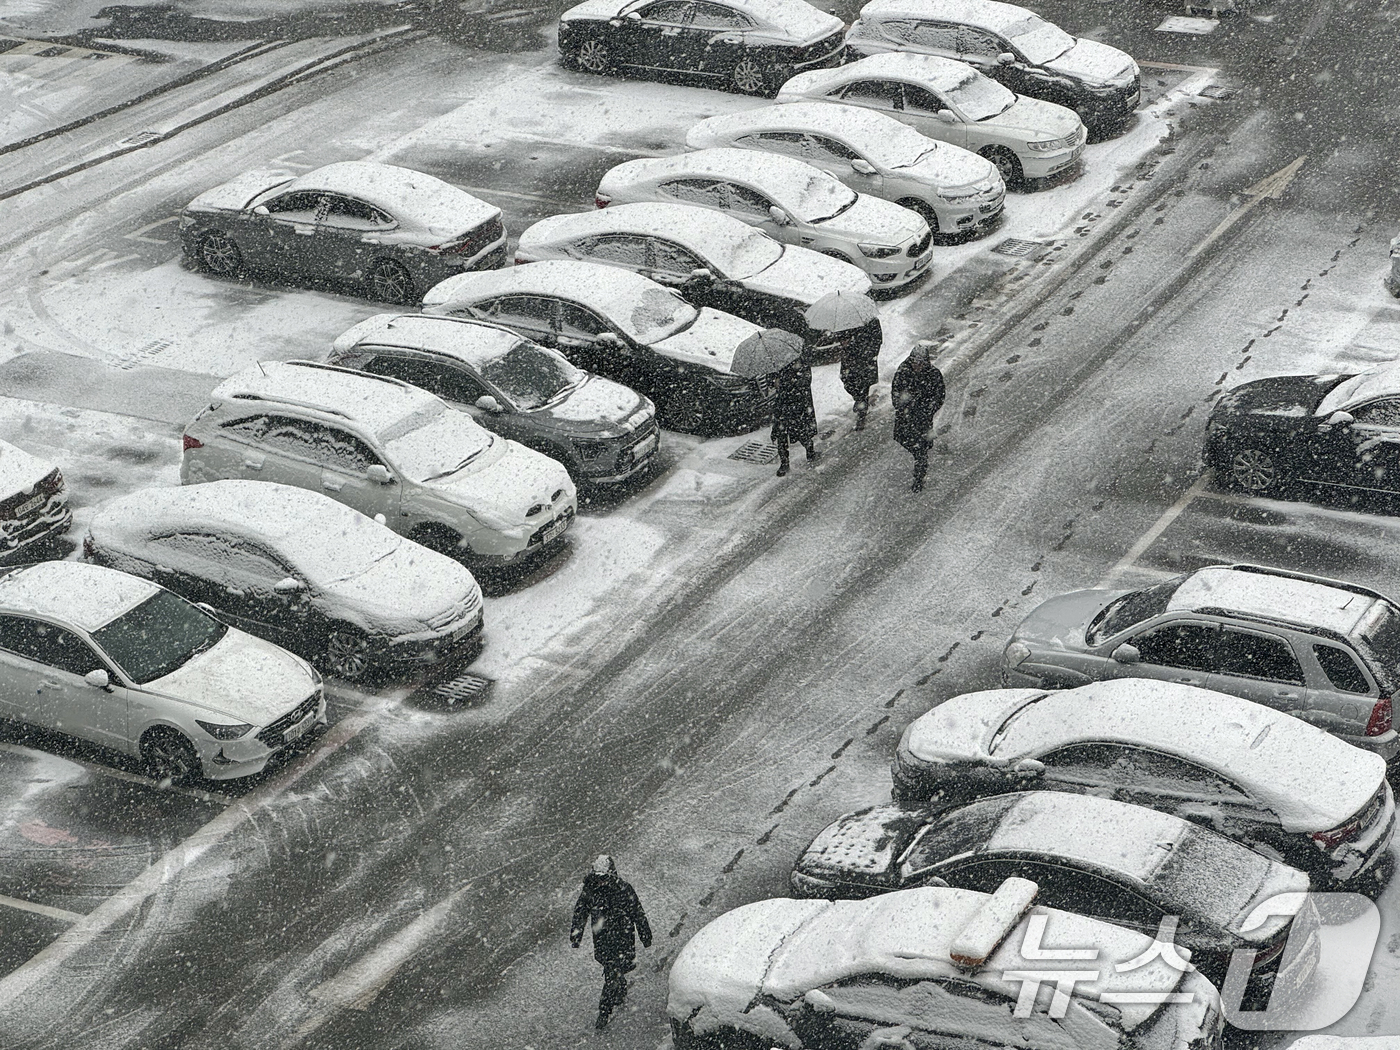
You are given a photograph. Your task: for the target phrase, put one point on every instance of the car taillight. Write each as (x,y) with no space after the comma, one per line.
(1338,835)
(1380,720)
(192,442)
(601,200)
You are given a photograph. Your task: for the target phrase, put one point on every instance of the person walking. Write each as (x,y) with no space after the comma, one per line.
(609,907)
(860,367)
(917,392)
(794,414)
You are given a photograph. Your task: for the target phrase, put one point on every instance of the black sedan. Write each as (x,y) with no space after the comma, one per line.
(750,46)
(390,231)
(1342,431)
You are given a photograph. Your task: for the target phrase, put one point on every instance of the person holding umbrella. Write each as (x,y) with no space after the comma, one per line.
(847,311)
(780,354)
(917,391)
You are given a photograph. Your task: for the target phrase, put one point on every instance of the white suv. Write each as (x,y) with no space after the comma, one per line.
(385,448)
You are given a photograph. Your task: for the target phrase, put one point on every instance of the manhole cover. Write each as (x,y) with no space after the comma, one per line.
(464,689)
(1017,248)
(1215,91)
(755,452)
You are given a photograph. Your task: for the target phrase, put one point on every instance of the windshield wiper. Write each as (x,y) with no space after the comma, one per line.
(453,470)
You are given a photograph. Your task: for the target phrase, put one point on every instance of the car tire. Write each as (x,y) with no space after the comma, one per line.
(924,210)
(438,538)
(684,413)
(749,77)
(1252,471)
(1008,165)
(169,756)
(219,255)
(593,56)
(346,654)
(834,254)
(389,282)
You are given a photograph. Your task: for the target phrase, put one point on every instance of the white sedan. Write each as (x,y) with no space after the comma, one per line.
(787,199)
(955,190)
(951,101)
(123,663)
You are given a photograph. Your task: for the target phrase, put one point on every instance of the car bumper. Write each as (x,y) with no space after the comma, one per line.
(898,270)
(636,456)
(434,269)
(53,519)
(1387,745)
(229,760)
(546,537)
(1043,165)
(1111,109)
(425,652)
(962,217)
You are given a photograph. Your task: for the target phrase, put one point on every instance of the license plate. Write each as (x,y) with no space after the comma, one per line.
(556,529)
(465,629)
(1077,153)
(922,261)
(298,731)
(647,447)
(30,504)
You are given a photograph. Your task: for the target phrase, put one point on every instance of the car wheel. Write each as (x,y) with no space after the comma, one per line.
(749,77)
(1253,470)
(923,209)
(389,282)
(347,654)
(833,253)
(593,56)
(219,254)
(438,538)
(169,756)
(683,412)
(1007,164)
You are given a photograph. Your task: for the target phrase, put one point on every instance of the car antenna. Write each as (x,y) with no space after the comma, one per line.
(262,369)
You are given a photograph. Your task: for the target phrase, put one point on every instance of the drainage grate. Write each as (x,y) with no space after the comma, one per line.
(464,689)
(1017,248)
(1215,91)
(755,452)
(140,138)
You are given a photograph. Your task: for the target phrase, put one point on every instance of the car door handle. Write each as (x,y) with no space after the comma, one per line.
(252,463)
(332,484)
(304,231)
(1287,694)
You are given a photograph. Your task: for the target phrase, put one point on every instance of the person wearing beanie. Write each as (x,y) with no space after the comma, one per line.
(609,907)
(917,392)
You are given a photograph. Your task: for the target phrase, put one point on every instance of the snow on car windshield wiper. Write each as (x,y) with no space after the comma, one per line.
(453,470)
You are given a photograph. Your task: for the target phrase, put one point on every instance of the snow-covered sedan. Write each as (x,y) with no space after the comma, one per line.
(297,568)
(626,327)
(954,189)
(384,447)
(1026,138)
(712,259)
(120,662)
(750,46)
(603,432)
(931,967)
(33,500)
(390,231)
(1013,46)
(787,199)
(1261,777)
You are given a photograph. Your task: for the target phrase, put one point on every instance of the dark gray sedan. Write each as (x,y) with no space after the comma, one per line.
(391,231)
(602,431)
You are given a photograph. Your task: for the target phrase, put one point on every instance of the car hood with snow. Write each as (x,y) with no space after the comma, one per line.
(1094,63)
(241,678)
(599,407)
(864,847)
(710,342)
(875,221)
(239,192)
(1282,397)
(1061,622)
(407,592)
(1036,120)
(501,485)
(805,276)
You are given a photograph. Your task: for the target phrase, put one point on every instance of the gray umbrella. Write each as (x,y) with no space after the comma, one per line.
(840,311)
(766,352)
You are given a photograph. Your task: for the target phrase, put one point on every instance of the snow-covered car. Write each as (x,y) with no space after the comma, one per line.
(787,199)
(1026,138)
(1392,279)
(1094,856)
(750,46)
(120,662)
(603,432)
(1337,430)
(1013,46)
(711,258)
(626,327)
(33,500)
(1322,650)
(954,189)
(1258,776)
(931,967)
(297,568)
(382,446)
(390,231)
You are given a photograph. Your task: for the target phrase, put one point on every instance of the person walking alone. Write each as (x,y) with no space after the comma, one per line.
(917,392)
(794,414)
(609,907)
(860,367)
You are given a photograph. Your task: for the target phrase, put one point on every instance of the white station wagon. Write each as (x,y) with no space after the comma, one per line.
(1026,138)
(952,188)
(123,663)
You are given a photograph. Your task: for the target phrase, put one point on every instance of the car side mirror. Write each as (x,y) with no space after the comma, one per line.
(701,274)
(488,403)
(862,167)
(98,679)
(1028,767)
(1127,654)
(632,16)
(261,209)
(1006,58)
(778,215)
(290,585)
(946,116)
(1340,419)
(820,1001)
(380,473)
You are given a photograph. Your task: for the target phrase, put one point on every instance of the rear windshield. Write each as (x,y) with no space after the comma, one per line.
(959,833)
(1379,635)
(1131,609)
(1209,877)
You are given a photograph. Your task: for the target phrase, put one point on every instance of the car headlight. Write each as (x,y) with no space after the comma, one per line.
(1016,654)
(591,450)
(223,732)
(877,251)
(733,384)
(956,196)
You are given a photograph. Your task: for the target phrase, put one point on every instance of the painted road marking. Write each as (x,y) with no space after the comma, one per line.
(520,136)
(487,191)
(40,909)
(1148,538)
(130,778)
(140,235)
(1269,188)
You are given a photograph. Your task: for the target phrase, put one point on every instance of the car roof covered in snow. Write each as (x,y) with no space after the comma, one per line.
(989,14)
(764,170)
(375,402)
(1332,607)
(476,343)
(934,71)
(710,233)
(73,592)
(1312,780)
(796,16)
(20,470)
(409,196)
(1360,388)
(865,130)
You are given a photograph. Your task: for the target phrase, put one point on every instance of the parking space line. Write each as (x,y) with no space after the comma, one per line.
(520,136)
(1148,538)
(130,778)
(491,191)
(40,909)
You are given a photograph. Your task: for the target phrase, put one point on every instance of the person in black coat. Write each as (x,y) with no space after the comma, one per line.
(794,414)
(860,367)
(917,393)
(609,907)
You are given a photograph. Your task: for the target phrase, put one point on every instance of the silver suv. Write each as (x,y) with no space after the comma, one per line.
(385,448)
(1325,651)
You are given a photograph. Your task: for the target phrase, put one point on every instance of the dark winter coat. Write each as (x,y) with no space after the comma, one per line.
(794,414)
(917,395)
(609,907)
(860,362)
